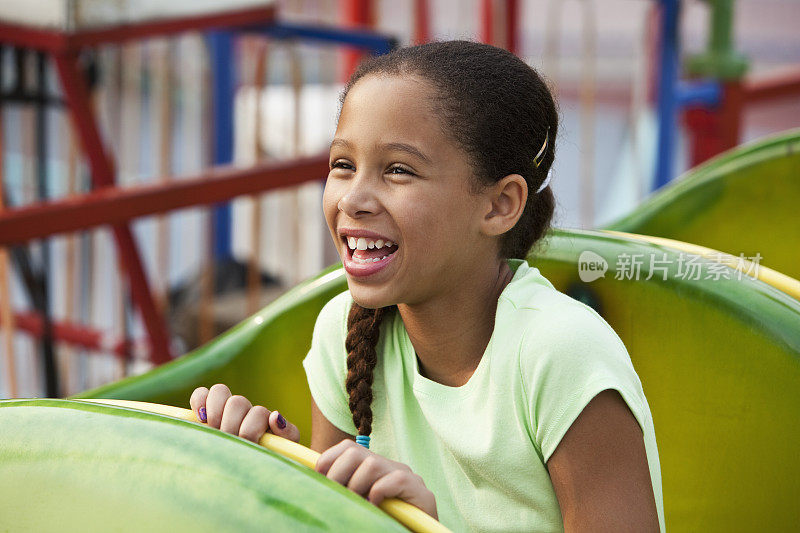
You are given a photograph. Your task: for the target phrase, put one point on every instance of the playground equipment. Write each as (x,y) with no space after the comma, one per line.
(96,467)
(66,35)
(731,375)
(744,201)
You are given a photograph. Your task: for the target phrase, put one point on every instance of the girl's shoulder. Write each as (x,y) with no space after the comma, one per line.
(559,338)
(541,315)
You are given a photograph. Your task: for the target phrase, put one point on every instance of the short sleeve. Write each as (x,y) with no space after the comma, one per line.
(326,363)
(565,363)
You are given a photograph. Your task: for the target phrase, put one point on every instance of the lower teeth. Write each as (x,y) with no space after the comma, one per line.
(369,260)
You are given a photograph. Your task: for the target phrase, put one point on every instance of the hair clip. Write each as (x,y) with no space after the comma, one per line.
(546,181)
(363,440)
(537,160)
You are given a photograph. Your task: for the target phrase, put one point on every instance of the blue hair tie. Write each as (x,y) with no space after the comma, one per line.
(363,440)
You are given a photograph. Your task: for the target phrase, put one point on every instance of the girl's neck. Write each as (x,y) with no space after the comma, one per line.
(450,333)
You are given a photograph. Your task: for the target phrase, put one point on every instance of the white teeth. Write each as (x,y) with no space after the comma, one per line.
(389,243)
(370,244)
(369,260)
(379,243)
(351,242)
(361,243)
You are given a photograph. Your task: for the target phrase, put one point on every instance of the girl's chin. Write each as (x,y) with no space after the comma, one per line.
(368,298)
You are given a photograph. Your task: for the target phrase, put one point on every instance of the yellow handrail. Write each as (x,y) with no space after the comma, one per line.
(411,517)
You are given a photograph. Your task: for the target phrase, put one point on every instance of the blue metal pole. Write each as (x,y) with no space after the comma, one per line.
(376,43)
(667,97)
(220,46)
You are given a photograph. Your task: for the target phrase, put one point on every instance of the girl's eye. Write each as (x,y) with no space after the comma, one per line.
(342,164)
(396,169)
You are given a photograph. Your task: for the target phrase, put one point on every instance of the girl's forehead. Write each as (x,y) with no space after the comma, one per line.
(389,107)
(390,93)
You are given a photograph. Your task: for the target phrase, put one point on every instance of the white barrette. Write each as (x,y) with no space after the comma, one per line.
(546,181)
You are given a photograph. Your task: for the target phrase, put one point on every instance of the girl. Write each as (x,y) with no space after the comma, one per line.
(477,391)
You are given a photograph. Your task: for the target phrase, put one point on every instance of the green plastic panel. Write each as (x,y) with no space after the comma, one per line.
(744,201)
(73,466)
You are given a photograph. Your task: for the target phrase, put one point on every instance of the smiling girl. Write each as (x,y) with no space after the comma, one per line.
(478,392)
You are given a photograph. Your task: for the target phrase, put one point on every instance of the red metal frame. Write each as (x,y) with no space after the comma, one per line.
(102,173)
(771,87)
(64,47)
(74,334)
(57,41)
(117,206)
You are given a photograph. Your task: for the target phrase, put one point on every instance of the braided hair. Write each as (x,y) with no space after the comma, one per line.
(499,111)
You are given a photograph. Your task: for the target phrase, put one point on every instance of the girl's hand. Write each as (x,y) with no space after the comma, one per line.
(374,477)
(237,416)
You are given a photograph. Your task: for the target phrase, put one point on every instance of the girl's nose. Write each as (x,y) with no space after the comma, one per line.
(359,199)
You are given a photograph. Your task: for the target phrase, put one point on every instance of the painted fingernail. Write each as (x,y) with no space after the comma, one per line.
(202,414)
(281,421)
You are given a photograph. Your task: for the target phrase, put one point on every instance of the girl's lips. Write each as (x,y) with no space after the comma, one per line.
(361,270)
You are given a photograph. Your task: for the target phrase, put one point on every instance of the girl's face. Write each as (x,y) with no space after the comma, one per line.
(397,177)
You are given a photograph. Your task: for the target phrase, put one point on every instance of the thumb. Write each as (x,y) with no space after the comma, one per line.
(282,427)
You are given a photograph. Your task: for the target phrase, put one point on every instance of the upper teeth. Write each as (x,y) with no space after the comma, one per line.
(361,243)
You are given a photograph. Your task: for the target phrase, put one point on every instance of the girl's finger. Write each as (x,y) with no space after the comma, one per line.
(327,458)
(215,403)
(255,423)
(280,426)
(232,416)
(395,484)
(198,403)
(368,472)
(346,464)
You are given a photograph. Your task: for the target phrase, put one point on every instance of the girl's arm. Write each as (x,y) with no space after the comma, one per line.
(600,472)
(323,433)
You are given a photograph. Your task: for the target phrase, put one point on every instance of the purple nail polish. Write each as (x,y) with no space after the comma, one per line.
(281,421)
(202,414)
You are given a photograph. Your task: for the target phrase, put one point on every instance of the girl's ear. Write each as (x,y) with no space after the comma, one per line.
(505,202)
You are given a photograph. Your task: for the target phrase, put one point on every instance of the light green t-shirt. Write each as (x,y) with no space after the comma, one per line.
(482,448)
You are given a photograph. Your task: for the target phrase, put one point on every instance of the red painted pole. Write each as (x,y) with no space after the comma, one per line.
(357,14)
(102,173)
(422,31)
(512,26)
(487,21)
(713,131)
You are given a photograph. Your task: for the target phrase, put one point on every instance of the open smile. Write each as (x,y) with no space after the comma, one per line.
(366,253)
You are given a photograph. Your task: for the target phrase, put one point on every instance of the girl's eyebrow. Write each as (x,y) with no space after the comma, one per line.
(397,146)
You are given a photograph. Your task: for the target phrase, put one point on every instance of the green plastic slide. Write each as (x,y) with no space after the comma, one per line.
(718,356)
(743,202)
(72,466)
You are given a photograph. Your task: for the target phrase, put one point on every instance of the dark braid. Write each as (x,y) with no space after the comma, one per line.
(498,110)
(363,329)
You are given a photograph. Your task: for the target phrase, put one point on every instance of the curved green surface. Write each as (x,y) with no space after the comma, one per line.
(72,466)
(719,360)
(744,201)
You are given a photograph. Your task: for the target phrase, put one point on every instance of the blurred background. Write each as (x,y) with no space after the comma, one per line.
(162,166)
